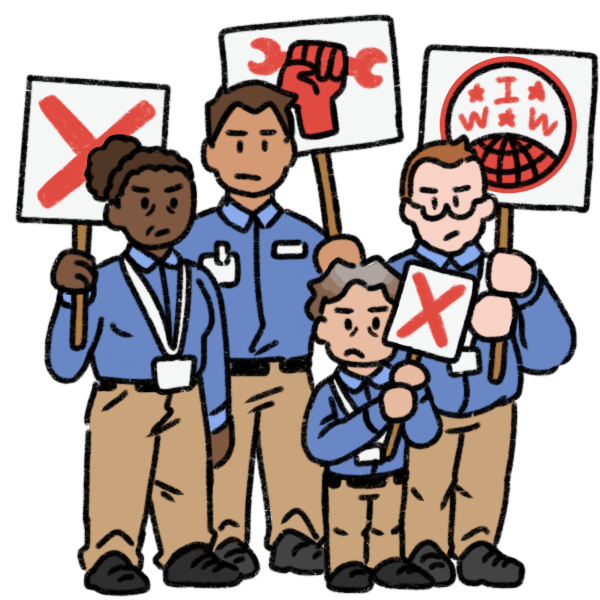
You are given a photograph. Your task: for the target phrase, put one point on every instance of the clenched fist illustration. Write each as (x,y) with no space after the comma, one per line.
(317,72)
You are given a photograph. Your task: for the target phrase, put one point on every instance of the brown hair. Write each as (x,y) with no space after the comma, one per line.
(254,97)
(373,274)
(110,166)
(445,152)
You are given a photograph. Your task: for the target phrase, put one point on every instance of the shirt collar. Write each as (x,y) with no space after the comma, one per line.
(468,256)
(240,217)
(353,381)
(147,262)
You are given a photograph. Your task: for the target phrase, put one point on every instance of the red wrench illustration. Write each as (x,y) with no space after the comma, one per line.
(317,72)
(359,67)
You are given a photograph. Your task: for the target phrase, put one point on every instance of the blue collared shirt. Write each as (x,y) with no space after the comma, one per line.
(273,251)
(543,339)
(334,438)
(120,344)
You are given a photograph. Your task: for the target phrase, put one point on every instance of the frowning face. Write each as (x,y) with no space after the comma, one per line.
(448,207)
(156,209)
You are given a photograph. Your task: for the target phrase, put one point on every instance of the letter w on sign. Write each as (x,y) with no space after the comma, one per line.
(432,313)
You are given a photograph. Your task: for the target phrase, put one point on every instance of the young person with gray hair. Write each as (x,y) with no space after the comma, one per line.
(349,420)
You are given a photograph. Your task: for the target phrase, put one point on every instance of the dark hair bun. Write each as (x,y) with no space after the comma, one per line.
(103,162)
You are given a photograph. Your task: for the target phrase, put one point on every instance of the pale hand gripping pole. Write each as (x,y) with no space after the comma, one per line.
(504,241)
(82,240)
(394,437)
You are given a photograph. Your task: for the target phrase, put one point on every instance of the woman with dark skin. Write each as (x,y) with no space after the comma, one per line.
(155,344)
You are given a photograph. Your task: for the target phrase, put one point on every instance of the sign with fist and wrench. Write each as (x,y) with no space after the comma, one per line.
(344,72)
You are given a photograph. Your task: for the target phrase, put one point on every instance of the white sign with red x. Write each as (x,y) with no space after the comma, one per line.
(432,312)
(64,120)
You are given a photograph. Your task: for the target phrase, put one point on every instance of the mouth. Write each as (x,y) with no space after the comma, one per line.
(451,235)
(354,351)
(161,232)
(247,176)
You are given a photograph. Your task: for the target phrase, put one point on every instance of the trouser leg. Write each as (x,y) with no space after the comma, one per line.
(180,494)
(292,481)
(384,534)
(232,491)
(483,477)
(347,519)
(120,462)
(429,490)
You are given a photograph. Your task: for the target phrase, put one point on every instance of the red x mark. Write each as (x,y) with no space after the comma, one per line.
(82,141)
(432,310)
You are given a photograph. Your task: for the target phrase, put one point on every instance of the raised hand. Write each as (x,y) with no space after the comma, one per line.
(317,72)
(74,272)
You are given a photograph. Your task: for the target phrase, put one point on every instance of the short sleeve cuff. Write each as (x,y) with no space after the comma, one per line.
(217,421)
(527,300)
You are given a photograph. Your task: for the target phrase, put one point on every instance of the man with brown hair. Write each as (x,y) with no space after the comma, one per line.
(458,488)
(261,256)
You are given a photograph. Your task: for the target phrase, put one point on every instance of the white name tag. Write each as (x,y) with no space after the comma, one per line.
(223,264)
(173,374)
(469,363)
(289,249)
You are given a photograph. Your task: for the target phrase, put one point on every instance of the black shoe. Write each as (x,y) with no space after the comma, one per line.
(399,575)
(195,566)
(113,574)
(237,553)
(432,559)
(297,553)
(483,564)
(351,577)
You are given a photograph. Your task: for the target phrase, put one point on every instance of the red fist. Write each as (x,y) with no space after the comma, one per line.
(317,73)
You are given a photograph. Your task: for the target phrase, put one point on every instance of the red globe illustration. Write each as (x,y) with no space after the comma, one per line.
(513,160)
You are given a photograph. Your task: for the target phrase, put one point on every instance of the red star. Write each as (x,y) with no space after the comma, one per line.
(506,118)
(476,93)
(537,92)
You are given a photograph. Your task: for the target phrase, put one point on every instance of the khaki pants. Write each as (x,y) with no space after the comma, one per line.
(458,488)
(145,447)
(268,414)
(364,524)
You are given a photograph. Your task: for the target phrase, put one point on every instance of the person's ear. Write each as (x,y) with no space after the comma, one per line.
(487,208)
(114,216)
(320,330)
(210,157)
(408,213)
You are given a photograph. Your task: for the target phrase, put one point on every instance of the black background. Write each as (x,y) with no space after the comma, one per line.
(549,506)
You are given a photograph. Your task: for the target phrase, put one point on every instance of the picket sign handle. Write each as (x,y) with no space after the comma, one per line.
(330,208)
(82,240)
(394,437)
(504,241)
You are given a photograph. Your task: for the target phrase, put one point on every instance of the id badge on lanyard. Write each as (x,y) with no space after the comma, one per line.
(171,372)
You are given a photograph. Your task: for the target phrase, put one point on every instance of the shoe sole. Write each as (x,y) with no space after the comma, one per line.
(277,569)
(341,590)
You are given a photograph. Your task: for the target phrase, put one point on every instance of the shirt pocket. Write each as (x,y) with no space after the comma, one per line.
(289,249)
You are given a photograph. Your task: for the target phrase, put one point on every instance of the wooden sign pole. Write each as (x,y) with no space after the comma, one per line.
(330,208)
(504,241)
(82,240)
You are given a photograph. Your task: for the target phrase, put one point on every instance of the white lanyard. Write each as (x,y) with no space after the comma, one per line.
(152,309)
(371,453)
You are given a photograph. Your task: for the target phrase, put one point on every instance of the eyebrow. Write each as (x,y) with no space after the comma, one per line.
(174,188)
(141,190)
(236,132)
(426,190)
(344,311)
(378,309)
(268,132)
(462,188)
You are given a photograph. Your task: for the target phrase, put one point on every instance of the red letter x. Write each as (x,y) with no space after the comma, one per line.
(81,141)
(432,310)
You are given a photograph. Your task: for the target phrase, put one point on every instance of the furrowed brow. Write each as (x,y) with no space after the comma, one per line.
(236,132)
(462,188)
(378,309)
(174,188)
(140,190)
(268,132)
(344,311)
(426,190)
